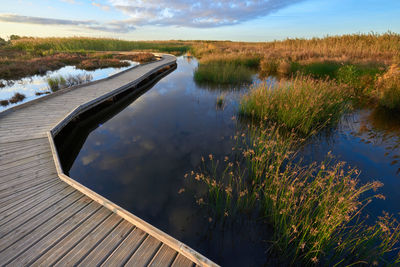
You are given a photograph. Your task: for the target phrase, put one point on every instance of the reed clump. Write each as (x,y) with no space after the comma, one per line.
(314,210)
(59,82)
(213,73)
(388,88)
(226,69)
(300,103)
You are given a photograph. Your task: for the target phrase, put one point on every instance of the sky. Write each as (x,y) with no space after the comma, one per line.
(251,20)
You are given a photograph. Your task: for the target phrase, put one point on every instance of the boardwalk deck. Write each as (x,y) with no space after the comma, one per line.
(46,218)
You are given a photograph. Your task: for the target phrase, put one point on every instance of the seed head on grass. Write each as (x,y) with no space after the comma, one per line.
(314,209)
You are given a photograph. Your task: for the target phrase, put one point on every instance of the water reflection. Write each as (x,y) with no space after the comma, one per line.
(367,139)
(29,86)
(139,157)
(136,155)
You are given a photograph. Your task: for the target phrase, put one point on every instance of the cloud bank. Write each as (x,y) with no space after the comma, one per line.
(113,26)
(198,14)
(180,13)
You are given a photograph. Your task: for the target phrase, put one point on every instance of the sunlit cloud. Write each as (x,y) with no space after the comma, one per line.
(103,7)
(199,14)
(112,26)
(69,1)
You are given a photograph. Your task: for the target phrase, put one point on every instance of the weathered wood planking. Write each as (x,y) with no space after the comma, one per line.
(47,218)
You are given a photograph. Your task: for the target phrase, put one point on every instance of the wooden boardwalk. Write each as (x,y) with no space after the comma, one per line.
(46,218)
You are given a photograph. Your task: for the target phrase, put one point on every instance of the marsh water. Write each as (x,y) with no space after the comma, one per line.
(137,154)
(32,85)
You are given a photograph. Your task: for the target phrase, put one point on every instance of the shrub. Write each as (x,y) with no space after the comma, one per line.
(4,102)
(17,97)
(388,88)
(101,63)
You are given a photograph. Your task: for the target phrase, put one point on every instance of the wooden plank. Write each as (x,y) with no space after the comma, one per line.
(17,186)
(37,215)
(26,166)
(44,190)
(10,199)
(28,204)
(34,252)
(67,243)
(101,252)
(22,145)
(84,247)
(26,178)
(23,153)
(13,250)
(21,173)
(31,156)
(145,253)
(164,257)
(182,261)
(122,253)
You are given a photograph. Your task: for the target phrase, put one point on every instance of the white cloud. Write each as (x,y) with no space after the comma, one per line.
(201,14)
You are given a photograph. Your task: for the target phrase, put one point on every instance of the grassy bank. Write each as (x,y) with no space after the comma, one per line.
(77,44)
(314,210)
(15,65)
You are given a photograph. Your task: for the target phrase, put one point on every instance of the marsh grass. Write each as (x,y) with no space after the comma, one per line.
(226,69)
(352,48)
(222,74)
(314,210)
(301,103)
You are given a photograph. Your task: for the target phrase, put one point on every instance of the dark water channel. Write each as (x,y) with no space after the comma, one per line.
(138,157)
(137,152)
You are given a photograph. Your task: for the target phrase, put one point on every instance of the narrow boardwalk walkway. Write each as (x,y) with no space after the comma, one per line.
(43,220)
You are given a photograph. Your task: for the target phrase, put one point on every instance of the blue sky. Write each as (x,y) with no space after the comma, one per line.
(251,20)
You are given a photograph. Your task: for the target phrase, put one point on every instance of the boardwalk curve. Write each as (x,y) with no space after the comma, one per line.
(47,218)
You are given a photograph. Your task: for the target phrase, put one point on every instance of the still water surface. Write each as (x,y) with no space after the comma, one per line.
(138,158)
(29,86)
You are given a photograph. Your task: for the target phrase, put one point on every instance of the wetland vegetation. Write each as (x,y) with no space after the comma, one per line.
(312,207)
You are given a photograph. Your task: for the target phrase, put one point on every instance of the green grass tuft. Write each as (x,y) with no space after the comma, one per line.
(222,74)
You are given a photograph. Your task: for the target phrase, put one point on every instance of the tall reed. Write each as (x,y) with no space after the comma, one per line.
(301,103)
